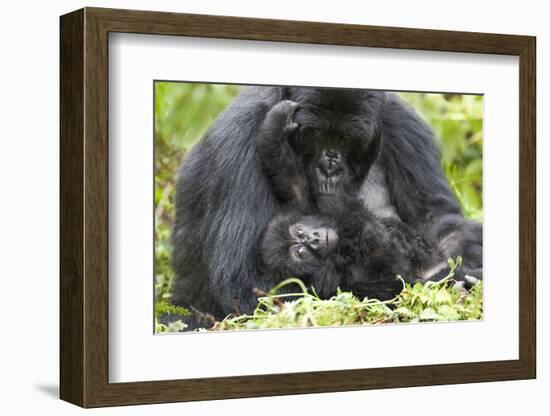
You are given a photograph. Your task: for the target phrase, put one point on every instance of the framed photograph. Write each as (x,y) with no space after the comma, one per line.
(256,207)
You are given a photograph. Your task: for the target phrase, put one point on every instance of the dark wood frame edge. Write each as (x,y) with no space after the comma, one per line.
(84,207)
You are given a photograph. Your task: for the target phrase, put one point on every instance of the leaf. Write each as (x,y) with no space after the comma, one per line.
(448,313)
(443,296)
(404,312)
(429,314)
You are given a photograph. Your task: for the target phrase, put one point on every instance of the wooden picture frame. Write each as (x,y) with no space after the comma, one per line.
(84,207)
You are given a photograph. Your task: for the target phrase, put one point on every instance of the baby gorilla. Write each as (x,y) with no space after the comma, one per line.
(349,249)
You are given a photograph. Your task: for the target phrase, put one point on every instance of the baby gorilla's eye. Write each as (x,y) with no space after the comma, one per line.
(300,232)
(299,252)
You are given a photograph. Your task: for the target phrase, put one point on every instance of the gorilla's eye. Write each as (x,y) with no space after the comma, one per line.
(317,133)
(297,231)
(299,252)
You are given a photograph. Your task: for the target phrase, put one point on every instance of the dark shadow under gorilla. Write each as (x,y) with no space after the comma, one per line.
(224,199)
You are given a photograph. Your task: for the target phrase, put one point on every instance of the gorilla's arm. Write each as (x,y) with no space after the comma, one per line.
(279,162)
(459,237)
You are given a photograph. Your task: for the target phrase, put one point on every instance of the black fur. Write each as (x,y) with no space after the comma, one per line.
(224,199)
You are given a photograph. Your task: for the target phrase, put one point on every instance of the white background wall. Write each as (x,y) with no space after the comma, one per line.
(29,158)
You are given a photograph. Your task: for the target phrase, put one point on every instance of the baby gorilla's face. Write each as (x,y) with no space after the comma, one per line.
(298,246)
(311,239)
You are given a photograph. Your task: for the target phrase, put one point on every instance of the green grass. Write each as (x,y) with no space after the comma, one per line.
(429,302)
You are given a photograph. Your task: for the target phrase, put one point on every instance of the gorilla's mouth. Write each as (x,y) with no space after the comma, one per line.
(329,184)
(328,242)
(331,240)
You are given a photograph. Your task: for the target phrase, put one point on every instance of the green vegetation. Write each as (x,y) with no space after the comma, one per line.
(433,301)
(183,113)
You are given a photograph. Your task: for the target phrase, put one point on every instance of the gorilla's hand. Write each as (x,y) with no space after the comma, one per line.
(279,121)
(279,162)
(467,279)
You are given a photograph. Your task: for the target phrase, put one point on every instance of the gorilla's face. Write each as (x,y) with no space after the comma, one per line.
(311,240)
(327,156)
(336,130)
(294,246)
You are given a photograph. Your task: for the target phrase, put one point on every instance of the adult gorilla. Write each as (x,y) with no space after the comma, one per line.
(224,198)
